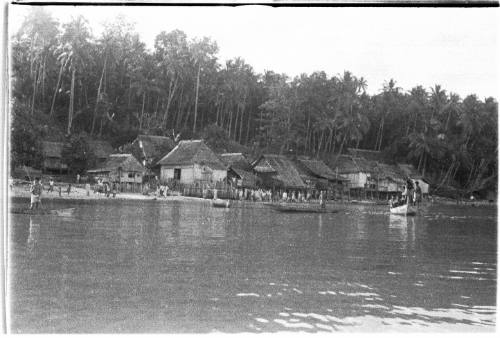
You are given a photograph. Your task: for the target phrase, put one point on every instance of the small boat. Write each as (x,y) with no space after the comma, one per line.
(405,209)
(219,203)
(302,207)
(57,212)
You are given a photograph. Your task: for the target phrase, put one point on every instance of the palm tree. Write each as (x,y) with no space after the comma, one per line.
(386,105)
(420,148)
(144,83)
(75,38)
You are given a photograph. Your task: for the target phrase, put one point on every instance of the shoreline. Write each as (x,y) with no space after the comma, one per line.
(80,194)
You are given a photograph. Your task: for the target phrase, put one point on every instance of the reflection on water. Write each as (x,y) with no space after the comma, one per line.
(34,234)
(119,266)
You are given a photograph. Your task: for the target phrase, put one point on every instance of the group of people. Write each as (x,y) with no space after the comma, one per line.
(411,195)
(254,195)
(162,190)
(106,188)
(36,189)
(267,195)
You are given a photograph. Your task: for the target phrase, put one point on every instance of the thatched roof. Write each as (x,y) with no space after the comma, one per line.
(154,147)
(101,149)
(347,164)
(370,155)
(236,160)
(249,180)
(344,164)
(52,149)
(316,168)
(192,152)
(282,168)
(124,162)
(365,165)
(389,171)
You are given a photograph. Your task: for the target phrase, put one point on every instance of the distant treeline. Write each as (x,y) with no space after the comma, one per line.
(66,81)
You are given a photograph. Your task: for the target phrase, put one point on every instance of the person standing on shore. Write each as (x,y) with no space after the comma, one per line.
(322,200)
(36,194)
(51,185)
(409,191)
(69,189)
(418,194)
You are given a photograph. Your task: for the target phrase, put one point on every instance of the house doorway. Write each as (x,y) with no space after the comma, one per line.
(177,174)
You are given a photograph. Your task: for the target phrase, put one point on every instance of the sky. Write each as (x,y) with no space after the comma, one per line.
(456,48)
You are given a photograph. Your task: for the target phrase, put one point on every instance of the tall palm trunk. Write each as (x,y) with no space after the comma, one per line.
(178,118)
(44,72)
(196,98)
(217,111)
(342,145)
(63,65)
(34,91)
(241,125)
(241,120)
(98,97)
(420,161)
(320,142)
(377,147)
(71,102)
(424,165)
(248,129)
(171,91)
(306,146)
(142,111)
(328,141)
(333,142)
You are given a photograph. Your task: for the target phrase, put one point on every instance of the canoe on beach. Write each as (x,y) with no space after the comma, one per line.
(302,207)
(57,212)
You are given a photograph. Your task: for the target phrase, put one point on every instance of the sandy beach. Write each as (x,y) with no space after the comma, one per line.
(79,193)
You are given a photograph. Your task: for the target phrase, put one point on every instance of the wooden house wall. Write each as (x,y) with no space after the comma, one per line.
(114,176)
(193,173)
(187,173)
(357,180)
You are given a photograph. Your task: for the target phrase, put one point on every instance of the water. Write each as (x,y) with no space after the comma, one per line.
(131,266)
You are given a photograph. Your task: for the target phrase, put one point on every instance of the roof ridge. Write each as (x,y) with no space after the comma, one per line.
(120,155)
(145,135)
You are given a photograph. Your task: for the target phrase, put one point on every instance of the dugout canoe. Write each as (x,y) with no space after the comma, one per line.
(57,212)
(405,209)
(302,208)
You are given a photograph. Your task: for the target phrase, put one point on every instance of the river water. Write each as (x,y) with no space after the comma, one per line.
(150,266)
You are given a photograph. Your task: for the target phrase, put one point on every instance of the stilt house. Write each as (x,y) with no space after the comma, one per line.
(123,169)
(192,161)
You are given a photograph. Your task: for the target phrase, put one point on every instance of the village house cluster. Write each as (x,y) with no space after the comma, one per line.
(192,168)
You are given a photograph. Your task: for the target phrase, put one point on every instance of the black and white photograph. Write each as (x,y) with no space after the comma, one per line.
(274,169)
